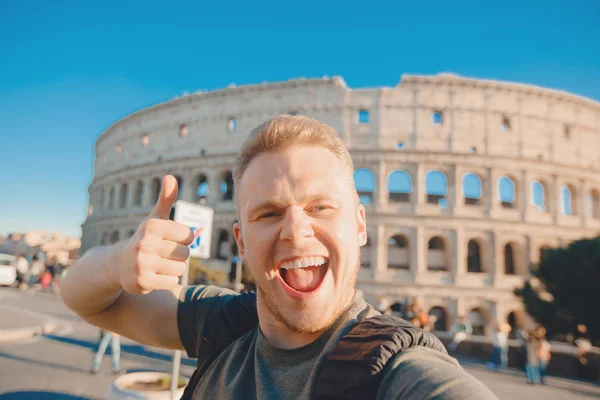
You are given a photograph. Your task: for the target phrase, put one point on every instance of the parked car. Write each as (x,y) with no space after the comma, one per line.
(8,270)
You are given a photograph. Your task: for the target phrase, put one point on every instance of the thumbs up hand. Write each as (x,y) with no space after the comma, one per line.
(154,257)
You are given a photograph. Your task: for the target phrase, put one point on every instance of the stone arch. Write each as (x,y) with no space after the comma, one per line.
(123,194)
(568,197)
(437,259)
(472,189)
(436,188)
(155,187)
(223,245)
(364,181)
(440,316)
(477,317)
(139,190)
(131,233)
(114,237)
(179,180)
(398,252)
(227,186)
(539,198)
(513,263)
(399,186)
(507,192)
(202,189)
(474,256)
(111,198)
(365,253)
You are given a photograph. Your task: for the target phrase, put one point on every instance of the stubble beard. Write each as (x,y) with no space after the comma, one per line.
(313,324)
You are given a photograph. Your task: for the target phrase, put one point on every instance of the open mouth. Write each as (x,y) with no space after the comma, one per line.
(304,274)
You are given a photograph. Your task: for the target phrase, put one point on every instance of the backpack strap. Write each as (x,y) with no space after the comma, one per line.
(354,369)
(235,319)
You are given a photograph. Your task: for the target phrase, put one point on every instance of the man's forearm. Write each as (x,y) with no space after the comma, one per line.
(92,284)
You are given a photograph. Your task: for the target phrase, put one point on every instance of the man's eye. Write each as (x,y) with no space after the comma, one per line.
(320,208)
(270,214)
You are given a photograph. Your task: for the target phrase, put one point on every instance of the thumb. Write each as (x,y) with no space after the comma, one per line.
(166,198)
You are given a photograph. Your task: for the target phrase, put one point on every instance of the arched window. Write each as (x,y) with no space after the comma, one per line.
(509,259)
(399,186)
(223,245)
(201,189)
(364,181)
(472,189)
(436,254)
(139,190)
(538,195)
(155,190)
(436,187)
(507,192)
(398,252)
(123,196)
(114,237)
(568,200)
(439,316)
(179,180)
(365,254)
(111,198)
(474,257)
(227,187)
(477,321)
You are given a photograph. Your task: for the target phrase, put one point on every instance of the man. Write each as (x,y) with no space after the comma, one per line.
(300,230)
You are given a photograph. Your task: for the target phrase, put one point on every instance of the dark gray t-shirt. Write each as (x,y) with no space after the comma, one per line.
(251,368)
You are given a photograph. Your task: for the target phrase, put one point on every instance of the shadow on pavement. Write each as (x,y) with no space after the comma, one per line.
(137,350)
(39,395)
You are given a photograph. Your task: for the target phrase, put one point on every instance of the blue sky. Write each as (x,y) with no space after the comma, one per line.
(68,71)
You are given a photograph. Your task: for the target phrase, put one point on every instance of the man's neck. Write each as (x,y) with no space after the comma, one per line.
(281,336)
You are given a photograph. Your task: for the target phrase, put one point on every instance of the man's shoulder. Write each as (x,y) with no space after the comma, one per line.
(420,372)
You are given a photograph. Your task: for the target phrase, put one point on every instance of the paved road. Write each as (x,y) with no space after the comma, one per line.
(56,366)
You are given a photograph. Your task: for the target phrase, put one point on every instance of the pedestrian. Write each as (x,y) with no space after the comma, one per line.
(307,331)
(107,337)
(22,268)
(461,331)
(532,367)
(36,269)
(499,357)
(544,353)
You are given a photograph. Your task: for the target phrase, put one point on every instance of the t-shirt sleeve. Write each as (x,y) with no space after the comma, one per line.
(196,305)
(421,373)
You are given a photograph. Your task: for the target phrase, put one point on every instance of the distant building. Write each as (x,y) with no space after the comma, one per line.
(513,168)
(63,249)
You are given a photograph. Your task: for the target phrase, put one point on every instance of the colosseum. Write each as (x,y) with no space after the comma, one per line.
(465,181)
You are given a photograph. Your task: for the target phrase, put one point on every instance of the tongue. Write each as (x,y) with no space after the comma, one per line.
(304,279)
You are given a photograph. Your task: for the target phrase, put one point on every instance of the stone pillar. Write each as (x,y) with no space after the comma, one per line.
(380,257)
(214,184)
(583,191)
(524,195)
(131,187)
(454,188)
(147,201)
(117,191)
(459,255)
(496,258)
(381,193)
(491,191)
(418,189)
(556,200)
(418,253)
(189,191)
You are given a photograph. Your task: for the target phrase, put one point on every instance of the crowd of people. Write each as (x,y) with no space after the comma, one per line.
(40,273)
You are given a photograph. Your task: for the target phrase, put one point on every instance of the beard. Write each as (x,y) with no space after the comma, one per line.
(312,322)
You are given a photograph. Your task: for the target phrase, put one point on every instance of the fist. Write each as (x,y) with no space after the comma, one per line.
(154,257)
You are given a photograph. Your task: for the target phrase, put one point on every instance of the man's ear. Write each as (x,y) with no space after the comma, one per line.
(362,225)
(237,234)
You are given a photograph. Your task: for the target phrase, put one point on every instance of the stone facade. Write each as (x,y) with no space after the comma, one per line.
(459,253)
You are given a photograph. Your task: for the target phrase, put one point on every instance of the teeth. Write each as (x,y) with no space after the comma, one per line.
(304,262)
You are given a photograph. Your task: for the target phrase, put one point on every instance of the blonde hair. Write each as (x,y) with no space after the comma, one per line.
(284,131)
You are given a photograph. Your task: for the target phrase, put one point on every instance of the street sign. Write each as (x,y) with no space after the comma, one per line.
(199,219)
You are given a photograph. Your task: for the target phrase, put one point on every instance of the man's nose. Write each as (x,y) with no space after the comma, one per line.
(296,225)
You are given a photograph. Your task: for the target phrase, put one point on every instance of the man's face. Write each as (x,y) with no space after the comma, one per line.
(300,232)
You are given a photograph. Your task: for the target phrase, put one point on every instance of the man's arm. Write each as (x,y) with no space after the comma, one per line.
(421,373)
(131,287)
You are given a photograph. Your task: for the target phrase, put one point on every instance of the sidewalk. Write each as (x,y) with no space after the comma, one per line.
(18,324)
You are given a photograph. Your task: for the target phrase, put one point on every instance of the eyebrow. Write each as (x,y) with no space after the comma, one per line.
(279,203)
